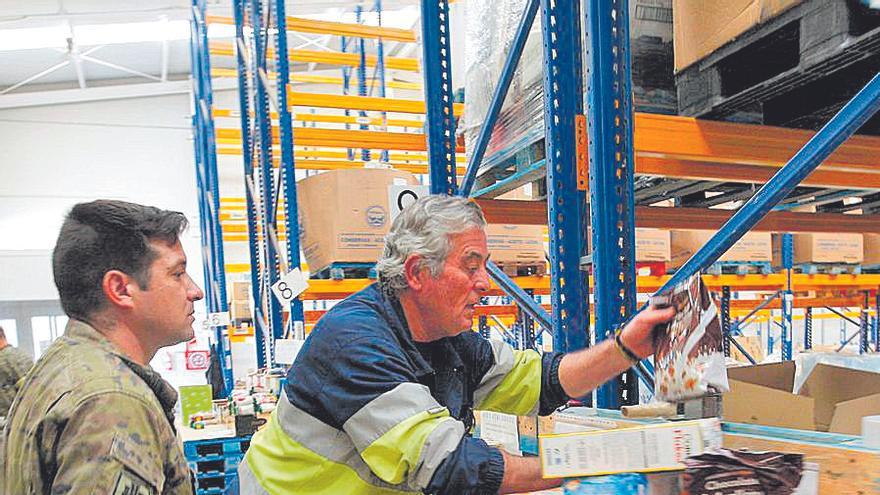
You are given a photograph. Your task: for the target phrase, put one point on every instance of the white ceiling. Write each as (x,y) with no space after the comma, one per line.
(84,64)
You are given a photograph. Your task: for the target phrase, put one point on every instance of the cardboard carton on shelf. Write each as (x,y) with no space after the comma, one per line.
(822,247)
(702,26)
(240,310)
(752,247)
(832,399)
(653,245)
(516,244)
(344,214)
(754,345)
(240,291)
(871,249)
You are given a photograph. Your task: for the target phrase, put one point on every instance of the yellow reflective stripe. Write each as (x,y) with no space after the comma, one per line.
(283,466)
(519,390)
(395,456)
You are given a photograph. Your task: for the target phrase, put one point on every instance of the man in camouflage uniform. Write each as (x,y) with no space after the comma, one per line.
(92,416)
(14,364)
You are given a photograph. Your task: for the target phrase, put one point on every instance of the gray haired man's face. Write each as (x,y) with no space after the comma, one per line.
(463,280)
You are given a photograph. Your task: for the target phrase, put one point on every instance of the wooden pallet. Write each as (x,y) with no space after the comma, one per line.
(794,70)
(342,271)
(740,268)
(537,269)
(870,268)
(827,268)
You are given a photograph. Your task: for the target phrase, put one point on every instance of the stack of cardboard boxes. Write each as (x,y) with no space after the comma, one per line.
(345,215)
(240,302)
(764,247)
(753,247)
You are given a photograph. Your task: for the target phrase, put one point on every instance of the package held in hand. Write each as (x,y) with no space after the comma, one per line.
(688,357)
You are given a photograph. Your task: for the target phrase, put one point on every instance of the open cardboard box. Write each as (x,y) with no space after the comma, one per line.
(832,399)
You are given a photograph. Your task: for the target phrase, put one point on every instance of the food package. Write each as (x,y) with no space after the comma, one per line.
(728,472)
(688,358)
(615,484)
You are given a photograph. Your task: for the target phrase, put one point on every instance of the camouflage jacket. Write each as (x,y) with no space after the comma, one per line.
(14,364)
(90,420)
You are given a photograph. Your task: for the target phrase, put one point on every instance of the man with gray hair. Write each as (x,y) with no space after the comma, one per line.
(380,399)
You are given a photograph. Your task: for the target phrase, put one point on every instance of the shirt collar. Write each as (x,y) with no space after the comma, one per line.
(397,320)
(416,350)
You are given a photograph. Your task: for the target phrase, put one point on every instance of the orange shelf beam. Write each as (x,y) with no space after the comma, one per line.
(313,26)
(226,49)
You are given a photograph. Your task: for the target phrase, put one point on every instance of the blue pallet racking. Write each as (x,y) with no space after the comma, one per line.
(601,96)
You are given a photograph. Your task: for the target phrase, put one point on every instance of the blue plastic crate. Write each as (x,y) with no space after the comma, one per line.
(216,464)
(207,449)
(214,483)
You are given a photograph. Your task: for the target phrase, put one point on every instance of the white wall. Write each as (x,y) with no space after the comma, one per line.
(52,157)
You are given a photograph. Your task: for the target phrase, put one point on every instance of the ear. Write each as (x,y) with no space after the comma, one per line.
(117,287)
(414,271)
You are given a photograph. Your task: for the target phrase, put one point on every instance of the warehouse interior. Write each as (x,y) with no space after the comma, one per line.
(618,149)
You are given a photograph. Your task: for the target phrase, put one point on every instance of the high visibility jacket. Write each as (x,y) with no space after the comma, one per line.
(369,411)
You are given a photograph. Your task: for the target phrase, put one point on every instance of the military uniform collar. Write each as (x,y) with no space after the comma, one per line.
(82,331)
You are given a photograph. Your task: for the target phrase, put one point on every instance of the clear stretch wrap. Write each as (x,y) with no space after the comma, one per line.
(491,27)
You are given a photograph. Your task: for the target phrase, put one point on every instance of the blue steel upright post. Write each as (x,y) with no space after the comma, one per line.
(725,319)
(380,70)
(270,271)
(877,321)
(239,9)
(863,324)
(346,85)
(287,167)
(566,203)
(787,298)
(437,72)
(209,191)
(808,329)
(362,76)
(610,127)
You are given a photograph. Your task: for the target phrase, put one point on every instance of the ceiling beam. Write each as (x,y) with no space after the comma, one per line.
(103,93)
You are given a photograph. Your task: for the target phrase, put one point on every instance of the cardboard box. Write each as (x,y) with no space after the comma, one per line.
(872,249)
(653,245)
(516,244)
(344,214)
(240,310)
(832,398)
(752,247)
(754,345)
(823,248)
(702,26)
(639,449)
(240,291)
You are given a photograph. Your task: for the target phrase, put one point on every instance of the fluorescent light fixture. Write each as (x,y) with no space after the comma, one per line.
(130,32)
(104,34)
(31,38)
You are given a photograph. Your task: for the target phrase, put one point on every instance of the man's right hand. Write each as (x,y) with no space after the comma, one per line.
(638,334)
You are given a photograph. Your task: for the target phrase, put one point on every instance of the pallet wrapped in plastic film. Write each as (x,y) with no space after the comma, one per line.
(491,28)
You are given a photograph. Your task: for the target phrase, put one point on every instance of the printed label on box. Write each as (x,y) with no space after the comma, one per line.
(360,240)
(643,449)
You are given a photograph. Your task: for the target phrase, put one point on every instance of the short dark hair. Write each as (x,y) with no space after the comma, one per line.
(105,235)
